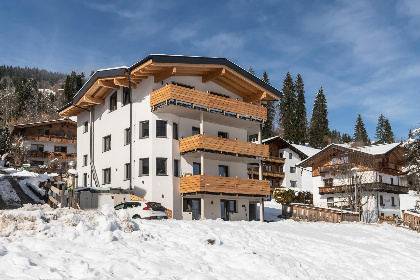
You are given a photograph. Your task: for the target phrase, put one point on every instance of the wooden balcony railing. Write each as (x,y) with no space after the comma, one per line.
(275,159)
(267,173)
(51,138)
(51,155)
(217,144)
(227,185)
(337,168)
(389,166)
(365,187)
(172,94)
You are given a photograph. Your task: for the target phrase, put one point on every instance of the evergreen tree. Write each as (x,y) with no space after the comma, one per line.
(251,70)
(412,158)
(4,140)
(346,138)
(318,129)
(301,121)
(287,109)
(360,135)
(380,130)
(336,137)
(72,85)
(388,134)
(267,131)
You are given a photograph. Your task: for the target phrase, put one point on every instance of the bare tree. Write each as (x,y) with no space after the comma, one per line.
(17,152)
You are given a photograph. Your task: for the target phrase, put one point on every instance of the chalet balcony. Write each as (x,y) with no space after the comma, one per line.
(51,155)
(365,187)
(337,168)
(224,185)
(51,138)
(275,159)
(389,167)
(189,103)
(267,173)
(206,143)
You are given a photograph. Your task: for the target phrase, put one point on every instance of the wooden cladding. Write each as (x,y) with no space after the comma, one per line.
(50,155)
(275,159)
(267,173)
(368,186)
(206,101)
(217,144)
(52,138)
(224,185)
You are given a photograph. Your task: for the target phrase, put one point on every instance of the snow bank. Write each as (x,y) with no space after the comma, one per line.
(8,194)
(39,242)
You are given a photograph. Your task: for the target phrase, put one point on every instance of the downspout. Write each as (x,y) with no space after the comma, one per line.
(131,131)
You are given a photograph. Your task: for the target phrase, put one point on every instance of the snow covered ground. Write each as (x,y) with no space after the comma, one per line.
(39,242)
(8,194)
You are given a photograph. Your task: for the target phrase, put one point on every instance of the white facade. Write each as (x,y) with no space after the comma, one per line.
(160,188)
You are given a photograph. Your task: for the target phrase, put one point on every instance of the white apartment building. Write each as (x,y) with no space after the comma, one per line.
(374,170)
(174,129)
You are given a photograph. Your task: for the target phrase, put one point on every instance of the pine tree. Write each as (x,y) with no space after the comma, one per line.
(388,134)
(267,131)
(412,158)
(360,135)
(251,70)
(318,129)
(346,138)
(287,109)
(301,121)
(380,130)
(72,85)
(335,136)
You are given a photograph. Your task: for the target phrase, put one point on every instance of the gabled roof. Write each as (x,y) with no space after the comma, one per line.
(66,120)
(374,150)
(218,70)
(301,150)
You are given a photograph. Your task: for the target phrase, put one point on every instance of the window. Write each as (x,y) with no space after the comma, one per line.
(161,166)
(281,168)
(176,168)
(195,130)
(175,131)
(380,178)
(292,169)
(127,136)
(85,127)
(328,182)
(280,155)
(60,149)
(84,180)
(40,131)
(126,96)
(107,143)
(60,133)
(37,147)
(144,129)
(127,171)
(293,184)
(223,171)
(196,168)
(222,134)
(85,160)
(231,206)
(344,159)
(393,201)
(334,161)
(37,162)
(113,102)
(144,167)
(290,155)
(69,134)
(381,200)
(330,201)
(106,175)
(160,128)
(392,181)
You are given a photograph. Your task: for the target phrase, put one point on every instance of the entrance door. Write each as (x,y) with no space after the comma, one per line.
(224,213)
(196,209)
(252,212)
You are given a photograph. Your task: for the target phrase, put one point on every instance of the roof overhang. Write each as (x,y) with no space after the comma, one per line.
(218,70)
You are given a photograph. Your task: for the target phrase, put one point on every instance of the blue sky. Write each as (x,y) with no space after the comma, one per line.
(365,54)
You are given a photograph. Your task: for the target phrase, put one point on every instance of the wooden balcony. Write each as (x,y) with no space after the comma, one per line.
(224,185)
(207,143)
(337,168)
(390,168)
(275,159)
(267,173)
(51,138)
(51,155)
(194,99)
(365,187)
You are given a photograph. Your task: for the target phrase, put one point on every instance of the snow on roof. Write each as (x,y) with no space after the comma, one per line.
(112,68)
(43,122)
(374,149)
(306,150)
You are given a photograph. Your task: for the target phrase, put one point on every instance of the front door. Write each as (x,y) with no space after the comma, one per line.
(196,209)
(224,213)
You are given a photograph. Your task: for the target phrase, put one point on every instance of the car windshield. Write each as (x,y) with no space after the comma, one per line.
(156,206)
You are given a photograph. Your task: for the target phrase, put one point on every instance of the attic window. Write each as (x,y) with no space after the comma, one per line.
(183,85)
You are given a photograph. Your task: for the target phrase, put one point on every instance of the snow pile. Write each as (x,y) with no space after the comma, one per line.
(40,242)
(8,194)
(27,191)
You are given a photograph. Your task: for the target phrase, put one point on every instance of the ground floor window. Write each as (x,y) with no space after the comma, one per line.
(192,205)
(293,184)
(330,201)
(106,175)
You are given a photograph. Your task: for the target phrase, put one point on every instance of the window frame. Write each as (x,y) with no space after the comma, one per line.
(127,171)
(381,200)
(67,134)
(106,179)
(290,155)
(226,171)
(175,132)
(127,136)
(126,95)
(165,161)
(141,130)
(142,166)
(157,129)
(85,127)
(292,182)
(59,148)
(196,129)
(176,168)
(222,134)
(292,169)
(85,180)
(199,168)
(85,160)
(104,143)
(112,106)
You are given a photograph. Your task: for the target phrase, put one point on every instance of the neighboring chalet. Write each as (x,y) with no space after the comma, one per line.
(377,170)
(48,140)
(174,129)
(280,166)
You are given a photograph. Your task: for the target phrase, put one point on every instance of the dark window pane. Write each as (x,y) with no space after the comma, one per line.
(196,168)
(223,171)
(69,134)
(113,102)
(144,129)
(160,128)
(222,134)
(175,129)
(144,166)
(60,133)
(160,166)
(126,95)
(195,130)
(176,168)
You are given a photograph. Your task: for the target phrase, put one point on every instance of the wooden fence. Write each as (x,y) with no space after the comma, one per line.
(412,220)
(315,214)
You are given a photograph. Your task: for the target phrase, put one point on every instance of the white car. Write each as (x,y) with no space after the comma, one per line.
(143,209)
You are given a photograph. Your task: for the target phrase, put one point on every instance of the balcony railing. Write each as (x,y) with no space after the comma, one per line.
(390,166)
(267,173)
(51,138)
(224,185)
(365,187)
(51,155)
(338,168)
(186,97)
(202,142)
(275,159)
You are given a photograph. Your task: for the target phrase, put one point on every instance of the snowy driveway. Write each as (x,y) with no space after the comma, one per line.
(11,194)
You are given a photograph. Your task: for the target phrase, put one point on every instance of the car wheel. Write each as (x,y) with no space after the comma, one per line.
(137,216)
